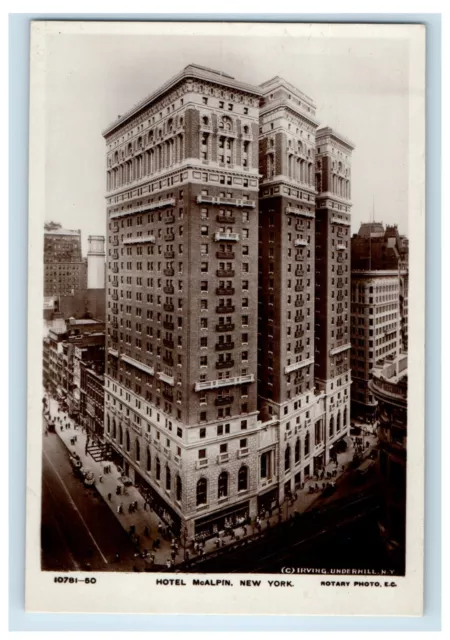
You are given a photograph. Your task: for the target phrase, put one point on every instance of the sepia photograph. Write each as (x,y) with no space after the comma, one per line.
(222,320)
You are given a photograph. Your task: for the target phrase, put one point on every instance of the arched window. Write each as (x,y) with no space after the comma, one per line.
(307,445)
(116,157)
(202,491)
(168,479)
(108,423)
(120,435)
(158,469)
(114,429)
(227,123)
(222,485)
(205,121)
(338,422)
(127,440)
(243,479)
(137,451)
(287,458)
(344,418)
(246,130)
(148,463)
(297,451)
(130,148)
(178,488)
(331,431)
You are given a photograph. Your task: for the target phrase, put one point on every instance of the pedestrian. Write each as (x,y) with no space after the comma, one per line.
(109,496)
(186,556)
(169,563)
(119,508)
(160,527)
(245,530)
(100,478)
(173,554)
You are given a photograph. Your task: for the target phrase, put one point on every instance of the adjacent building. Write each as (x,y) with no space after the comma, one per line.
(379,305)
(64,268)
(65,346)
(92,396)
(96,262)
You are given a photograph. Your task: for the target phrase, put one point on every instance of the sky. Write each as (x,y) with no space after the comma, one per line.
(360,86)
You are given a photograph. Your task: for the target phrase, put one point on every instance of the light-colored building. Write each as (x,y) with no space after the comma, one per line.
(379,306)
(375,331)
(96,262)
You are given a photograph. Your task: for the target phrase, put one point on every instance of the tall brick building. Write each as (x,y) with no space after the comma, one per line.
(211,402)
(180,401)
(64,267)
(332,281)
(286,285)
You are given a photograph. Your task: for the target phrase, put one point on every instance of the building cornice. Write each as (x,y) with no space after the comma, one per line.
(190,72)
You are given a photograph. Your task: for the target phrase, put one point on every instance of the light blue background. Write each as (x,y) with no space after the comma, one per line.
(18,239)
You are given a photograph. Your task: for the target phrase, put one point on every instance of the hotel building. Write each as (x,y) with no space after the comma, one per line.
(219,396)
(182,281)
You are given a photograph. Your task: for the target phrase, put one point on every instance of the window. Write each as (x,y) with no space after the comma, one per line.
(168,479)
(203,432)
(178,488)
(204,285)
(148,464)
(127,441)
(243,479)
(204,231)
(202,491)
(158,469)
(243,424)
(222,485)
(223,448)
(287,458)
(243,443)
(137,451)
(297,451)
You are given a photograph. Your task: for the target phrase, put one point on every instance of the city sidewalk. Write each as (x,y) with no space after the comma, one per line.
(107,486)
(143,518)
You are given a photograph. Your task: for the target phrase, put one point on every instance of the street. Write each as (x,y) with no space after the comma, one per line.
(78,531)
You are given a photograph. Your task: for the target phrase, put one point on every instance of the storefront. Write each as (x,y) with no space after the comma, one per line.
(157,503)
(232,516)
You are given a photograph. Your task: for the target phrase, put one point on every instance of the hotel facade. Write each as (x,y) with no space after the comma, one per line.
(211,400)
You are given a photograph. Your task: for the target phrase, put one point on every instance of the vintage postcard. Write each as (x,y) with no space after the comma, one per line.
(226,318)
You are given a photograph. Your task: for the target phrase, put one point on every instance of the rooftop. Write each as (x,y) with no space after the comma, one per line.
(194,71)
(278,81)
(63,232)
(328,131)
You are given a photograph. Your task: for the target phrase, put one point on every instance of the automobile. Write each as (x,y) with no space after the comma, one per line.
(355,431)
(363,470)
